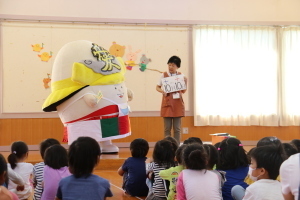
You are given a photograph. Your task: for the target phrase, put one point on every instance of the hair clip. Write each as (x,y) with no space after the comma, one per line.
(240,145)
(219,149)
(14,152)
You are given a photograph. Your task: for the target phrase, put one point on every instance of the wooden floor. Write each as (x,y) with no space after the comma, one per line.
(107,168)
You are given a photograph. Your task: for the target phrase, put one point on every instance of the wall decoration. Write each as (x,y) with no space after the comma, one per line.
(45,56)
(117,50)
(37,47)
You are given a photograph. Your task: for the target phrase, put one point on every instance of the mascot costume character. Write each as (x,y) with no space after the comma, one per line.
(89,94)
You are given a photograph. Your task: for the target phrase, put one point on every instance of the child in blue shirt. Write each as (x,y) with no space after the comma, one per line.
(84,155)
(134,169)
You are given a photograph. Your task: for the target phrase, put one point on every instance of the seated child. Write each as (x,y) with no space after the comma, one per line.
(5,194)
(264,169)
(83,156)
(212,154)
(38,169)
(233,160)
(19,153)
(196,182)
(163,158)
(134,169)
(172,173)
(56,168)
(290,177)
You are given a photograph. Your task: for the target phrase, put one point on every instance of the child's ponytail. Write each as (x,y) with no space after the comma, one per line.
(12,159)
(18,150)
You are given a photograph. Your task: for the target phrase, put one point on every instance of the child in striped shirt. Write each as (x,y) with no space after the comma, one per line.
(38,169)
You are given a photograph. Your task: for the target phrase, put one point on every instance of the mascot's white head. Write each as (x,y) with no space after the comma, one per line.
(89,92)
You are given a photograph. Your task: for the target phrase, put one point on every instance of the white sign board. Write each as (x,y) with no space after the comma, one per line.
(173,84)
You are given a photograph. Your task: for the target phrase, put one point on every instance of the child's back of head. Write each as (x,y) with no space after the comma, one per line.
(192,140)
(289,149)
(296,144)
(270,158)
(84,154)
(139,148)
(231,154)
(19,150)
(56,156)
(164,153)
(270,140)
(47,143)
(195,157)
(173,141)
(212,154)
(179,153)
(3,170)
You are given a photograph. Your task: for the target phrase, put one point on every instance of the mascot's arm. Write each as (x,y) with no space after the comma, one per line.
(90,100)
(129,94)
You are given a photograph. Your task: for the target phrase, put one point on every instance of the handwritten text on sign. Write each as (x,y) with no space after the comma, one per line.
(173,84)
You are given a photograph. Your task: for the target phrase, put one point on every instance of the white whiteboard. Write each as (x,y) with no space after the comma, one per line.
(23,71)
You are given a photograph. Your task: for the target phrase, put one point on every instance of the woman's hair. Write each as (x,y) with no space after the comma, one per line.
(176,60)
(164,153)
(192,140)
(296,144)
(3,168)
(47,143)
(217,144)
(19,150)
(212,154)
(273,141)
(139,148)
(56,156)
(270,158)
(195,157)
(179,152)
(174,142)
(289,149)
(83,156)
(231,154)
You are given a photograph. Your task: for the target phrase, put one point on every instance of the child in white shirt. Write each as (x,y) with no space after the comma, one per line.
(19,153)
(264,169)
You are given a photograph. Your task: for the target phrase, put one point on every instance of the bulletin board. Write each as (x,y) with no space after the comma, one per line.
(29,50)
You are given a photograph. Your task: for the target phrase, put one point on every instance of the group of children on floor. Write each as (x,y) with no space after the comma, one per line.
(189,171)
(196,171)
(61,175)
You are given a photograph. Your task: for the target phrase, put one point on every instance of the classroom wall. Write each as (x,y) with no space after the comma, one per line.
(242,11)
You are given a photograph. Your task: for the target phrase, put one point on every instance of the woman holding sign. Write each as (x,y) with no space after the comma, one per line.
(172,85)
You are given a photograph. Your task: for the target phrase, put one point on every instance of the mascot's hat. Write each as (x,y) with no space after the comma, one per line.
(80,64)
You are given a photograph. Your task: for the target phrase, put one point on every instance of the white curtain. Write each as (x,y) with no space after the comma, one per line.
(290,76)
(236,76)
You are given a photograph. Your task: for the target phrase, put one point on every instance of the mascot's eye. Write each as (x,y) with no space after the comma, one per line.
(121,87)
(115,88)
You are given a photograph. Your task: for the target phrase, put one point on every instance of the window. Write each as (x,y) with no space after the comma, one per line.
(241,78)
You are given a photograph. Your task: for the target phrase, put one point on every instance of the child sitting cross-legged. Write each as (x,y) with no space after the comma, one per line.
(134,169)
(264,169)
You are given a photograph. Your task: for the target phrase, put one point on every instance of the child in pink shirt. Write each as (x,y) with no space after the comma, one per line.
(56,168)
(195,182)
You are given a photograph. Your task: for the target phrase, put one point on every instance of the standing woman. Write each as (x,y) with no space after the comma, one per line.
(172,107)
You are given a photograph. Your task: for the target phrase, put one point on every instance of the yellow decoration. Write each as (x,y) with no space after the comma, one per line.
(117,50)
(37,47)
(45,56)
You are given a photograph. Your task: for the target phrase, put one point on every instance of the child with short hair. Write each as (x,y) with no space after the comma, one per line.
(163,158)
(5,194)
(84,155)
(196,182)
(233,160)
(134,169)
(172,173)
(56,168)
(296,144)
(264,169)
(19,153)
(38,169)
(289,149)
